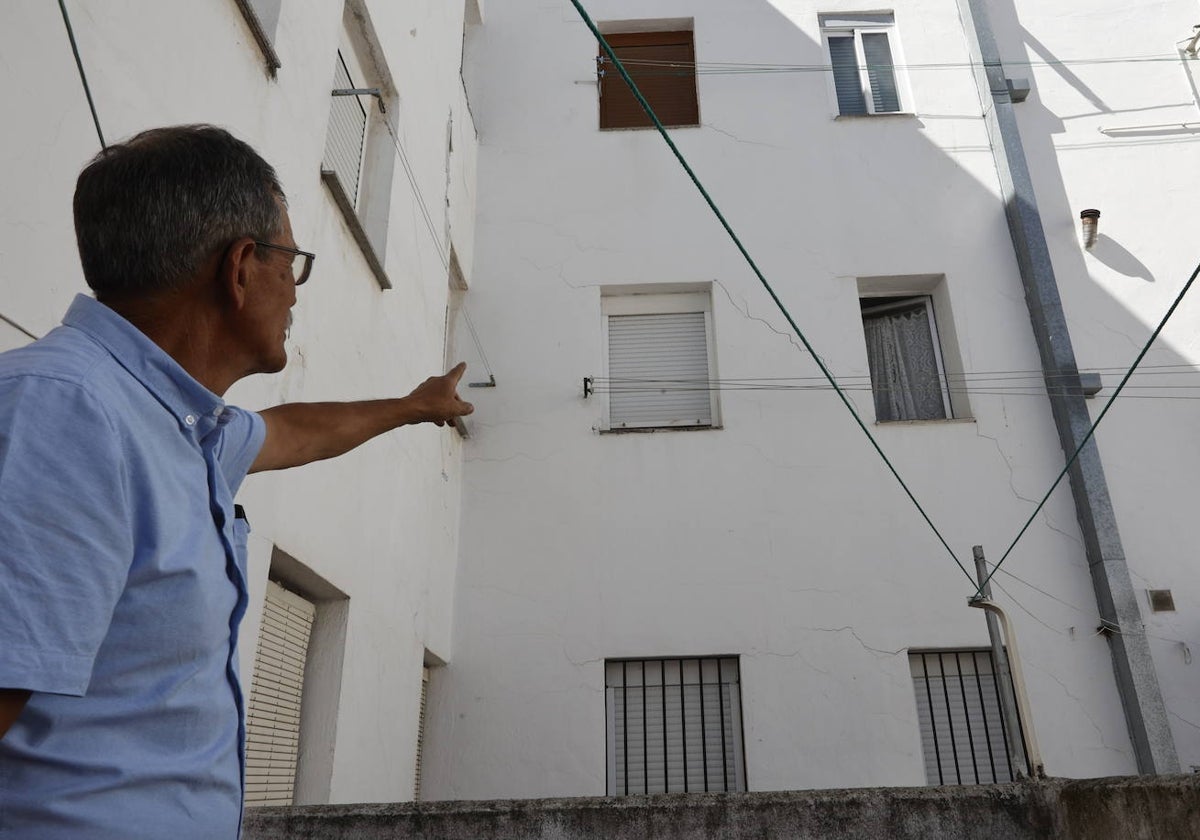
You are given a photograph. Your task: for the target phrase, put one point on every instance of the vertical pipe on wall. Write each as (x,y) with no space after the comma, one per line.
(1136,678)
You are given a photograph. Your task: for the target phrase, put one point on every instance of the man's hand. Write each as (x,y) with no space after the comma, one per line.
(436,399)
(300,433)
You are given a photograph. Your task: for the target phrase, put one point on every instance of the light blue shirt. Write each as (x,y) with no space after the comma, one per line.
(122,584)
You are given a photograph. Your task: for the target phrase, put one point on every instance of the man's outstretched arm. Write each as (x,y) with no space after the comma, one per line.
(300,433)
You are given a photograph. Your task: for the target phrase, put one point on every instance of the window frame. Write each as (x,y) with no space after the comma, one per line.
(856,31)
(658,303)
(368,211)
(904,301)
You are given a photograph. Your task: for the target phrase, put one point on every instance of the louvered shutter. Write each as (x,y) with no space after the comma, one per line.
(273,713)
(658,370)
(662,65)
(675,726)
(347,133)
(881,72)
(846,79)
(958,711)
(421,734)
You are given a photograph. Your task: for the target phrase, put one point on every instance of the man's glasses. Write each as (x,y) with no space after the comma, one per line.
(302,261)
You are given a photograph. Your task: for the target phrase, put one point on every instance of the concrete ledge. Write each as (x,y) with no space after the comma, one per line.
(1142,807)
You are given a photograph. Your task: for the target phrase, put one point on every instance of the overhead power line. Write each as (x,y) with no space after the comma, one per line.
(608,50)
(703,68)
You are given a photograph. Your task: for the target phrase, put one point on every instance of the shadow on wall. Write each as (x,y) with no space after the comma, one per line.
(1112,254)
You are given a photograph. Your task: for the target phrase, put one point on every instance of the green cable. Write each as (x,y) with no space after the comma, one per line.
(754,267)
(1092,430)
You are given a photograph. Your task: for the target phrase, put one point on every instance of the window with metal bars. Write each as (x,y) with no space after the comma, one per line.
(674,725)
(964,736)
(861,54)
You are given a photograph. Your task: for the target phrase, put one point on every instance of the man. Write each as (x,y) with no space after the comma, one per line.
(122,555)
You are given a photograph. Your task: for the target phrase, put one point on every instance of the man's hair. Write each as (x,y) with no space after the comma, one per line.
(149,211)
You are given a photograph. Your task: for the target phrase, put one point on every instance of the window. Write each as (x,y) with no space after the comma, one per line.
(963,734)
(263,19)
(347,131)
(674,725)
(360,148)
(660,364)
(421,733)
(908,379)
(662,65)
(273,713)
(861,52)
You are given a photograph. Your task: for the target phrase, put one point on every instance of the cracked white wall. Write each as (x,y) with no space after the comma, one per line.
(380,524)
(781,538)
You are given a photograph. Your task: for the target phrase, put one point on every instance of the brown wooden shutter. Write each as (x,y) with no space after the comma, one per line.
(669,84)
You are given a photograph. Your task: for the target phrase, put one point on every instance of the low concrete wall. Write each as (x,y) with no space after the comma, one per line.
(1142,808)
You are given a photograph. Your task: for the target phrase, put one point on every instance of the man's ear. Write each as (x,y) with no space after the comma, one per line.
(236,271)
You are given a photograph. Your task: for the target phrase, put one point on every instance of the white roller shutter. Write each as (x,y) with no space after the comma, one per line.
(273,714)
(958,711)
(658,370)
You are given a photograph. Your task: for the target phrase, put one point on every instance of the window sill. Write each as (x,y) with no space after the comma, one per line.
(949,421)
(647,127)
(647,430)
(890,115)
(264,43)
(356,229)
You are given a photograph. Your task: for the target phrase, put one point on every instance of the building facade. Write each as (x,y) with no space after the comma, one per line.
(669,514)
(667,557)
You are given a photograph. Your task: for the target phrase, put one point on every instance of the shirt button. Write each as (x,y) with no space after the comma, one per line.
(218,411)
(190,420)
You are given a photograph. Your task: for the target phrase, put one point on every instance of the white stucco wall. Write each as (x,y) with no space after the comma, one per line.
(1122,137)
(381,524)
(781,538)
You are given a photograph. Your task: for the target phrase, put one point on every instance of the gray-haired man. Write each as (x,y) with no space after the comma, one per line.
(122,558)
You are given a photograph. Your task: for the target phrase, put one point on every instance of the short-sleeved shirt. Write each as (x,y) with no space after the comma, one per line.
(122,584)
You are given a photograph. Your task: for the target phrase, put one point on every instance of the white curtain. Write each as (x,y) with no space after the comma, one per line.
(904,366)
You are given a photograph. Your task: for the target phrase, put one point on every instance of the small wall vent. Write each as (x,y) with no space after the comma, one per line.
(1161,600)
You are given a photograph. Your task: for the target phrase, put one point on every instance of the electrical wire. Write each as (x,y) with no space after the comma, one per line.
(762,279)
(1092,431)
(82,75)
(701,68)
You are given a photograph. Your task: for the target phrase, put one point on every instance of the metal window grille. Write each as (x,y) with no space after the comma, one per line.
(674,725)
(963,733)
(347,133)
